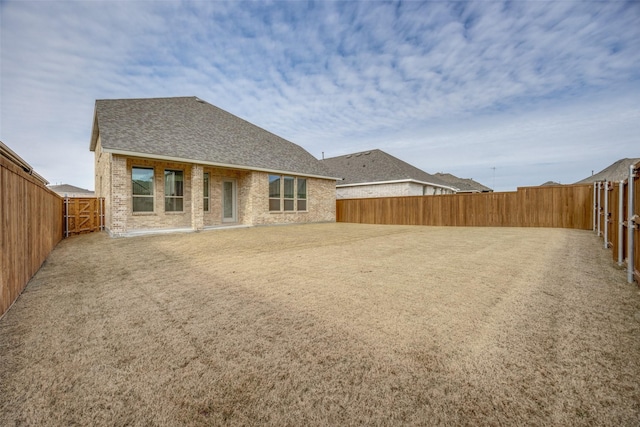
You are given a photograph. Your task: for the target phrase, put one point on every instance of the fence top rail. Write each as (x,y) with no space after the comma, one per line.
(10,155)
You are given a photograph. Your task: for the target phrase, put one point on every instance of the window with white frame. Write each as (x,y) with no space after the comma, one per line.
(142,189)
(287,193)
(173,190)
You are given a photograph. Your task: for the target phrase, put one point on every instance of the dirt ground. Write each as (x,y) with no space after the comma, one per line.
(328,324)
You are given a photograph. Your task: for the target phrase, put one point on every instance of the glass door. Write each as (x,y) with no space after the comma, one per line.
(229,201)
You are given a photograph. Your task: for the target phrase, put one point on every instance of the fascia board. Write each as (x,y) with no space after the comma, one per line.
(398,181)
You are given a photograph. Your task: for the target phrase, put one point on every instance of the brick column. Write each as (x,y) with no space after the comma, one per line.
(120,195)
(197,208)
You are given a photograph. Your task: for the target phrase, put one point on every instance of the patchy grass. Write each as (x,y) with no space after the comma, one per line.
(328,324)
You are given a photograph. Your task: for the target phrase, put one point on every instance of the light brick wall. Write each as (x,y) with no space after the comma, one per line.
(197,214)
(321,202)
(102,182)
(388,190)
(159,218)
(252,197)
(217,176)
(120,195)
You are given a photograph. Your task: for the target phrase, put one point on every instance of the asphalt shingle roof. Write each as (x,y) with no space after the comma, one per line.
(193,130)
(617,171)
(376,166)
(464,184)
(70,189)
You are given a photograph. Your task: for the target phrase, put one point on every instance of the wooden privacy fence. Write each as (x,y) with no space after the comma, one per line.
(83,215)
(616,208)
(566,206)
(30,225)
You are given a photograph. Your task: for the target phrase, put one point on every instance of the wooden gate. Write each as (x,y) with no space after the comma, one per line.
(83,215)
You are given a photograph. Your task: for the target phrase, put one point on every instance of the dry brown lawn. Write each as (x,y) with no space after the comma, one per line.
(328,324)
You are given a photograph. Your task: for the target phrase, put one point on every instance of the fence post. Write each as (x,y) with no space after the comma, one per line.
(620,223)
(599,207)
(606,214)
(630,226)
(595,205)
(66,216)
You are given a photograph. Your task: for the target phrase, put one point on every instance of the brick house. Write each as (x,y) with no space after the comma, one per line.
(375,173)
(171,164)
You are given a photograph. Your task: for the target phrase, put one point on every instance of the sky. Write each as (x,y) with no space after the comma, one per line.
(510,94)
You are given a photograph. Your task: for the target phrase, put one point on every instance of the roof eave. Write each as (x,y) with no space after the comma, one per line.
(398,181)
(94,131)
(217,164)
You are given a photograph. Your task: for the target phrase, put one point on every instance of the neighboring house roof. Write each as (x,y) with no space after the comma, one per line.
(8,153)
(617,171)
(466,185)
(376,166)
(66,189)
(550,183)
(192,130)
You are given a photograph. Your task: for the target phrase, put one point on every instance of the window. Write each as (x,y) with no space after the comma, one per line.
(287,193)
(142,189)
(173,190)
(205,195)
(302,194)
(274,193)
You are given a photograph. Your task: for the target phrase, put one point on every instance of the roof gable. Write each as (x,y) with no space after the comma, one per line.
(190,129)
(377,166)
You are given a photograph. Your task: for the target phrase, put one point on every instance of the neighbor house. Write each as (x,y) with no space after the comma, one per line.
(617,171)
(374,173)
(66,190)
(170,164)
(464,185)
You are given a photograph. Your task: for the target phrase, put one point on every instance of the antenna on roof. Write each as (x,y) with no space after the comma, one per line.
(494,178)
(323,155)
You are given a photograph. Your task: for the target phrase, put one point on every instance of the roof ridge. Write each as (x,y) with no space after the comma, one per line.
(354,153)
(148,99)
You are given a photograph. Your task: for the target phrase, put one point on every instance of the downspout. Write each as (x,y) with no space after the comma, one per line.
(606,214)
(620,223)
(630,226)
(101,219)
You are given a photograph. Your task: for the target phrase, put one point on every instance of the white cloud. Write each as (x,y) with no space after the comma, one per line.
(510,85)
